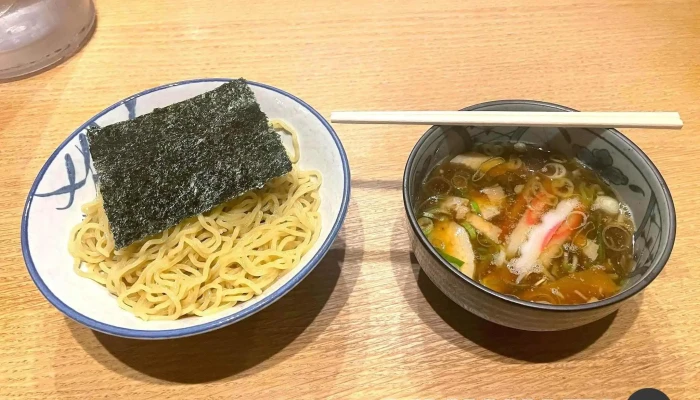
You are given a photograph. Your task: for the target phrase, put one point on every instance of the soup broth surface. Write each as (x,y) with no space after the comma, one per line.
(528,223)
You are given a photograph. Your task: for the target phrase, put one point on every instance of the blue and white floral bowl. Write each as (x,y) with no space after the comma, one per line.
(67,181)
(618,160)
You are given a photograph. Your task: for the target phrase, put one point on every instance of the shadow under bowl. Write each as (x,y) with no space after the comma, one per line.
(607,151)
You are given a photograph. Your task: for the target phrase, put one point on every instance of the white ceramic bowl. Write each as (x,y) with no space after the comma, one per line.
(66,181)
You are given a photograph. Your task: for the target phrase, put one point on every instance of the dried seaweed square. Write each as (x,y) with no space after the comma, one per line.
(184,159)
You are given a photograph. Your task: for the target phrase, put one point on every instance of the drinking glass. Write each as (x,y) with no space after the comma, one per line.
(35,34)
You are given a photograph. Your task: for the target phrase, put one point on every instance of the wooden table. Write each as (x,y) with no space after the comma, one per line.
(365,323)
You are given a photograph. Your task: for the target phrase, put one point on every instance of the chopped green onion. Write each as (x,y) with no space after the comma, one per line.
(601,242)
(475,208)
(434,210)
(459,182)
(588,193)
(484,240)
(470,230)
(569,267)
(452,260)
(482,251)
(601,247)
(426,225)
(584,194)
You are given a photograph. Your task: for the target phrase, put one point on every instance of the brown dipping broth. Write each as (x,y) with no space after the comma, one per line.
(571,277)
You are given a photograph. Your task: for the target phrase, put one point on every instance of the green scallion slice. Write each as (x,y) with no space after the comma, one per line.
(452,260)
(476,208)
(426,225)
(470,230)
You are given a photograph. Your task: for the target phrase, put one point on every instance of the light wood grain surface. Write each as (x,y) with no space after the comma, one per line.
(365,323)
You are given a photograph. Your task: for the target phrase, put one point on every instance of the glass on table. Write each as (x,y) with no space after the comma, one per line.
(35,34)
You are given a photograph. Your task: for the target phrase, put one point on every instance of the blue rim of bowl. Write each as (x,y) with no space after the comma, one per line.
(209,326)
(650,275)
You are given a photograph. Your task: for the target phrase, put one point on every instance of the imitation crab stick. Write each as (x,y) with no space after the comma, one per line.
(563,232)
(539,237)
(517,208)
(532,215)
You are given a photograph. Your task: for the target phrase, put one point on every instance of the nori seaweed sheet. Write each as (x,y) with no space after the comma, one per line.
(184,159)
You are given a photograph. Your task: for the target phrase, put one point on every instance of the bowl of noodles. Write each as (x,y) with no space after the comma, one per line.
(206,271)
(539,229)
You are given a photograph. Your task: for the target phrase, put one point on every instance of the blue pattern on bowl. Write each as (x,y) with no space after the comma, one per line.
(72,185)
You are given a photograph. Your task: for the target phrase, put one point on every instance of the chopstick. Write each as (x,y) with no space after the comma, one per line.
(652,120)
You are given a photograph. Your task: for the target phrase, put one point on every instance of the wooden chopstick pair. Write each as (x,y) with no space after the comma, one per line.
(652,120)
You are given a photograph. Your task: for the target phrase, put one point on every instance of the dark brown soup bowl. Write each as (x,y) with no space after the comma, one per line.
(619,161)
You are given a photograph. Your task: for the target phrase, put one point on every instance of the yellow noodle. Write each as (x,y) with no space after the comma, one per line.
(210,262)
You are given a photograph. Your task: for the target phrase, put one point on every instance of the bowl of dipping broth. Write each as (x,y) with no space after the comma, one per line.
(533,228)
